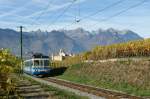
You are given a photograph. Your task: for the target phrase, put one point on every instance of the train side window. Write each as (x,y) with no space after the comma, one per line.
(30,63)
(27,64)
(36,63)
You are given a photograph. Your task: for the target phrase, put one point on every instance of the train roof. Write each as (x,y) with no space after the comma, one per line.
(33,59)
(39,55)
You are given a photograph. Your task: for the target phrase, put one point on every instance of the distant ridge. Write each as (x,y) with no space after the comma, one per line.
(101,36)
(73,41)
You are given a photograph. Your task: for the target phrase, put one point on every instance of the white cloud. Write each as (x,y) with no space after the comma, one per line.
(14,11)
(51,8)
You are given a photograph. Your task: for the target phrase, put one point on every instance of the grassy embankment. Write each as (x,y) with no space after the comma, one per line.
(125,76)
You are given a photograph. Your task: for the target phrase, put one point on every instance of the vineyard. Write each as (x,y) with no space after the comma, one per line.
(9,64)
(139,48)
(132,49)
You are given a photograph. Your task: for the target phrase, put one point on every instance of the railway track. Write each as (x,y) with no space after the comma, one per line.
(92,90)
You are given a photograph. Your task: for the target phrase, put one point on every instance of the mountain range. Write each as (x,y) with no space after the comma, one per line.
(72,41)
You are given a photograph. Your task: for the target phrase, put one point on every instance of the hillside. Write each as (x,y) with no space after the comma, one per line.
(128,72)
(75,41)
(127,76)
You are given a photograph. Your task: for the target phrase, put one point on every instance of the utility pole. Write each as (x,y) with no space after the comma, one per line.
(21,50)
(21,42)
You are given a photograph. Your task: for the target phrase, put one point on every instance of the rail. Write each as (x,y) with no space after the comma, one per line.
(92,90)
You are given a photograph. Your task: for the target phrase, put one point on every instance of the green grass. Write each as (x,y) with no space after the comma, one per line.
(57,93)
(80,74)
(124,87)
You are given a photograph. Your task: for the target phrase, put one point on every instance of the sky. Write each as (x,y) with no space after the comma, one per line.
(69,14)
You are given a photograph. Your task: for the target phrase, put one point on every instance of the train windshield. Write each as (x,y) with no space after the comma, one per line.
(38,63)
(41,62)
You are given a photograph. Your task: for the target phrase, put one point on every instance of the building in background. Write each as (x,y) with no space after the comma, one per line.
(61,56)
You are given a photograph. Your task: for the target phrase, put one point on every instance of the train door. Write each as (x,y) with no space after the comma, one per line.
(28,66)
(31,66)
(38,64)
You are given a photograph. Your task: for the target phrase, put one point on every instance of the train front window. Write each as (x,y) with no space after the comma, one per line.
(41,62)
(38,63)
(46,63)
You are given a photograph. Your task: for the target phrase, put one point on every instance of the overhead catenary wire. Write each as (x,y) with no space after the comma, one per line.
(119,13)
(77,16)
(42,13)
(61,14)
(97,12)
(46,10)
(88,16)
(125,10)
(78,20)
(103,9)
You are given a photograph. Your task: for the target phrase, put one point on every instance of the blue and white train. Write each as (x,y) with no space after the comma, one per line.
(38,65)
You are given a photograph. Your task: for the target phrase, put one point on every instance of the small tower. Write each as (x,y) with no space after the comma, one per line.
(62,53)
(52,56)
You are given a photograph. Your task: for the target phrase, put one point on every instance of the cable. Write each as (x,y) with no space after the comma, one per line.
(103,9)
(42,13)
(125,10)
(119,13)
(64,11)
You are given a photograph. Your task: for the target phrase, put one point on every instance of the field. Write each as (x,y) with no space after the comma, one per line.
(126,76)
